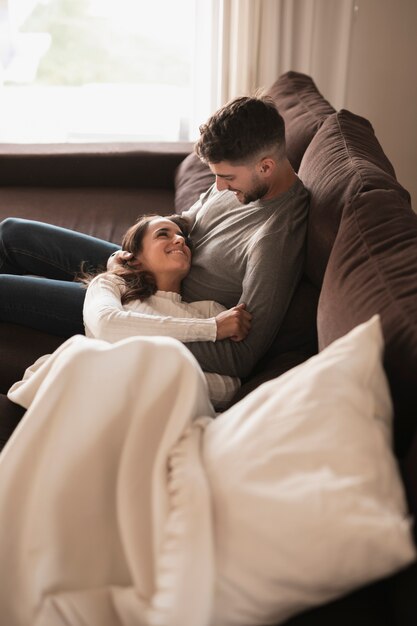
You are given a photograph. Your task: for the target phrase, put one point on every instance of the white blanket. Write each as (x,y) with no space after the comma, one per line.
(106,531)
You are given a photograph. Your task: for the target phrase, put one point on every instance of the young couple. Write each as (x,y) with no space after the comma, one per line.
(105,487)
(248,233)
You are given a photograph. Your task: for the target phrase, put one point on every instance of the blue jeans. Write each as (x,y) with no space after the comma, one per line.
(38,264)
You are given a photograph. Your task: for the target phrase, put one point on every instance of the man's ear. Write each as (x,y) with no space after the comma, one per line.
(266,166)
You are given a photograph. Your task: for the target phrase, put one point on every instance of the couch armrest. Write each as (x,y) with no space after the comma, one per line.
(136,165)
(97,189)
(20,347)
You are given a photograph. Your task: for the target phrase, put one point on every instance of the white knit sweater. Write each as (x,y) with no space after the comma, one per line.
(163,314)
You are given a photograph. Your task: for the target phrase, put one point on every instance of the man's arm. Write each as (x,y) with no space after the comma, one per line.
(273,271)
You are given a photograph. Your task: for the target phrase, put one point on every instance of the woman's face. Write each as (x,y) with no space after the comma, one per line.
(164,252)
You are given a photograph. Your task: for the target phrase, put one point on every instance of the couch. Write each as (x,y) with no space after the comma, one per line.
(361,259)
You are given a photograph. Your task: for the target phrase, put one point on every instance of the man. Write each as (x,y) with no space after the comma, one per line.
(248,232)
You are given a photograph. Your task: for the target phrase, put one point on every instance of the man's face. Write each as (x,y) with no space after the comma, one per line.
(243,180)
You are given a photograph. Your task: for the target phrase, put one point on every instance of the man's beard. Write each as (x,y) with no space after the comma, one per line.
(258,191)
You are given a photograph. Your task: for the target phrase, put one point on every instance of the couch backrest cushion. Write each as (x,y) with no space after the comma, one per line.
(103,212)
(373,261)
(192,178)
(133,166)
(373,269)
(303,108)
(344,159)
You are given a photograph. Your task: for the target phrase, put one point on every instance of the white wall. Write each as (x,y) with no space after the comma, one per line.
(362,55)
(382,80)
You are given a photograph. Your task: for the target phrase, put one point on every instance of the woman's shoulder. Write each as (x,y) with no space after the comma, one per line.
(107,279)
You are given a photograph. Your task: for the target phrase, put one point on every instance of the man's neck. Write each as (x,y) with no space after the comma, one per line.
(283,181)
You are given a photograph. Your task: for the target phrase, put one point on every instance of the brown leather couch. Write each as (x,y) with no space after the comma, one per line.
(361,260)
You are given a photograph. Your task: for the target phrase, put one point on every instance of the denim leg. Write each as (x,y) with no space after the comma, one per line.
(53,306)
(48,299)
(29,247)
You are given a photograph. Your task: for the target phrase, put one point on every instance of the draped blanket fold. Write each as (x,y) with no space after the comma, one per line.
(102,490)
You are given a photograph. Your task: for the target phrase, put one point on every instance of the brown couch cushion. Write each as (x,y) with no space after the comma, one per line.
(303,108)
(20,347)
(101,212)
(373,262)
(142,165)
(343,160)
(373,269)
(192,178)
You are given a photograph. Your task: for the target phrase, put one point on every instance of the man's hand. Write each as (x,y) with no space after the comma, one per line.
(234,323)
(119,258)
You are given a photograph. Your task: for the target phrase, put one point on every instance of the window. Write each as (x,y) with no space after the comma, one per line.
(101,70)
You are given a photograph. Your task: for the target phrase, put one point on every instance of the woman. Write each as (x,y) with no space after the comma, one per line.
(140,295)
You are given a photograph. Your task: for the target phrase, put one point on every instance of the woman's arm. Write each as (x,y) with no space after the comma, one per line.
(106,318)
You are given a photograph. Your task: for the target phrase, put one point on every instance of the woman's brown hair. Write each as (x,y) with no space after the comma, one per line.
(139,284)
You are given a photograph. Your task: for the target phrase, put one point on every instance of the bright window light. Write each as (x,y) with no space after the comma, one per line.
(96,70)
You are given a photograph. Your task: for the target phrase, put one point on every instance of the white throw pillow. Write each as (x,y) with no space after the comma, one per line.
(308,503)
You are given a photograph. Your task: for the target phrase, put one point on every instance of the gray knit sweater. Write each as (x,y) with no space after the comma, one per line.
(251,253)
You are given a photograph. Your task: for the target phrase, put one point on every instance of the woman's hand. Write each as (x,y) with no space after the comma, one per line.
(118,259)
(234,323)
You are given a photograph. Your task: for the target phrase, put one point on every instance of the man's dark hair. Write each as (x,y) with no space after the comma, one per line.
(241,130)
